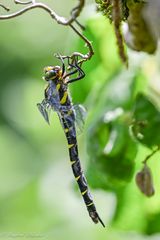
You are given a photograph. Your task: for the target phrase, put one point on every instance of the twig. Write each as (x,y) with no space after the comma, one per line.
(83,57)
(61,20)
(76,11)
(4,7)
(23,3)
(80,25)
(151,154)
(76,21)
(88,43)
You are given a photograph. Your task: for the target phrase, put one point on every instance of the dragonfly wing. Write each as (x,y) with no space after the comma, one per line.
(44,110)
(80,116)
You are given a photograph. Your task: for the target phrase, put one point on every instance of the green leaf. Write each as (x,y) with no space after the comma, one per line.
(112,153)
(146,123)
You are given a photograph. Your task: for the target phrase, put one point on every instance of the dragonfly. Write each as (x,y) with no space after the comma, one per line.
(57,98)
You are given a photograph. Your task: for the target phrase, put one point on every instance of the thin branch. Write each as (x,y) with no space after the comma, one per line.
(80,25)
(83,57)
(151,154)
(76,11)
(23,3)
(75,20)
(88,44)
(4,7)
(61,20)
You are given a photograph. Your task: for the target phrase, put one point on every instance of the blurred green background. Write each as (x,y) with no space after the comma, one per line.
(38,196)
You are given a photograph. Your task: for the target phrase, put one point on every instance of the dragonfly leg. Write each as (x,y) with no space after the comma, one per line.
(75,20)
(62,61)
(74,65)
(78,70)
(70,73)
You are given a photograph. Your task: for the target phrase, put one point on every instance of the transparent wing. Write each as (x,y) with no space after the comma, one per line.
(80,116)
(51,101)
(44,109)
(68,114)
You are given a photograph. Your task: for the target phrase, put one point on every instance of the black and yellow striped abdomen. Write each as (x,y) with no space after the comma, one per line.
(70,133)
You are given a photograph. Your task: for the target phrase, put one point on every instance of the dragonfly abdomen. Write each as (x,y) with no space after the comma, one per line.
(78,172)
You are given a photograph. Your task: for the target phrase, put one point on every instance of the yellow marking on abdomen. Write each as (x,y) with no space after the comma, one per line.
(70,145)
(58,86)
(66,130)
(72,162)
(84,192)
(90,204)
(77,178)
(64,98)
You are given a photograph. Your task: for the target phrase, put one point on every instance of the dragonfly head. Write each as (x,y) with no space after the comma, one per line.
(52,72)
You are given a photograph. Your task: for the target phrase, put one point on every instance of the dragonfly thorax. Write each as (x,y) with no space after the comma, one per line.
(52,73)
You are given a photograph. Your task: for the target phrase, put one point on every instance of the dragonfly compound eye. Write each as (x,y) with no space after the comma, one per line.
(51,72)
